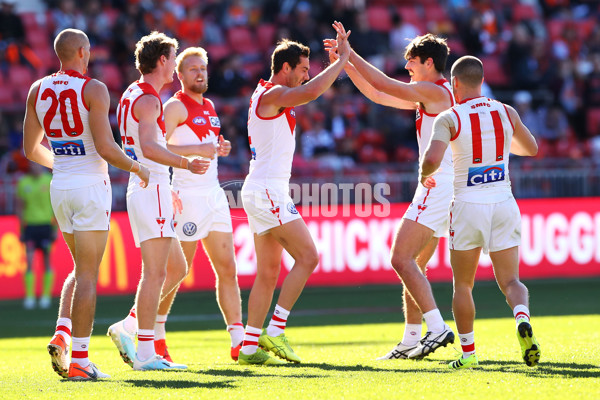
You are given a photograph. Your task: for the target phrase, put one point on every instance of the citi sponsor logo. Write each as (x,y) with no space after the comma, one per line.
(70,148)
(487,174)
(199,121)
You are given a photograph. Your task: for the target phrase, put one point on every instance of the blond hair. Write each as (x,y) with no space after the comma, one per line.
(190,52)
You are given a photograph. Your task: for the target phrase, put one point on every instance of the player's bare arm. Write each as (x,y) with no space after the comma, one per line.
(283,96)
(33,133)
(147,110)
(175,114)
(376,96)
(443,132)
(523,143)
(97,99)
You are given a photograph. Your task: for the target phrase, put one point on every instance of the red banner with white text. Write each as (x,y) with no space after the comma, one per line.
(560,238)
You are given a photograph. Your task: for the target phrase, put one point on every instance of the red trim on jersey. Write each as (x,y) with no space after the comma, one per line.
(458,130)
(476,138)
(471,98)
(196,109)
(82,97)
(508,115)
(439,82)
(268,86)
(132,113)
(499,133)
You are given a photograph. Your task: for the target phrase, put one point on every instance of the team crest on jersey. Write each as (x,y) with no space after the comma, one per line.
(130,152)
(199,121)
(215,122)
(487,174)
(189,229)
(70,148)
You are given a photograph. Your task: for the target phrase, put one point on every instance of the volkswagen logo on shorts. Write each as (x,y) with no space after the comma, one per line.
(189,229)
(292,208)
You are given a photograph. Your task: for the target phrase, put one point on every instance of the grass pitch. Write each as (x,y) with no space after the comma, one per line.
(338,351)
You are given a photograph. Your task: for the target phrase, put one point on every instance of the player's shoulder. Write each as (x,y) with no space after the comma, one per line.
(174,106)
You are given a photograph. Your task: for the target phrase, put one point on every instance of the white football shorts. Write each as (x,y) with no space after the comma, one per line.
(151,213)
(83,209)
(268,208)
(429,207)
(493,227)
(202,213)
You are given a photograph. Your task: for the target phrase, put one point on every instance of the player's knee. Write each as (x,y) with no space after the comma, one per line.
(400,263)
(226,272)
(309,259)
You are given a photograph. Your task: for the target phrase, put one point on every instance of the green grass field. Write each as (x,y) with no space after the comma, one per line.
(338,332)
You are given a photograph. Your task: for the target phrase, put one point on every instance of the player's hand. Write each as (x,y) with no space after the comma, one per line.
(177,205)
(198,166)
(331,48)
(207,150)
(144,175)
(428,182)
(342,41)
(224,147)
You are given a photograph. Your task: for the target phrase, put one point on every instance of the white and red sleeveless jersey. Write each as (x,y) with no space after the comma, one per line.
(425,129)
(201,126)
(63,114)
(481,150)
(129,128)
(272,142)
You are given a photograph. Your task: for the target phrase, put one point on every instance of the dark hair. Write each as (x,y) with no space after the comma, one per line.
(289,52)
(427,46)
(150,48)
(469,70)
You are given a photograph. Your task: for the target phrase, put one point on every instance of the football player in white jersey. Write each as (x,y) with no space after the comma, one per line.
(71,110)
(484,214)
(193,129)
(426,219)
(151,212)
(272,217)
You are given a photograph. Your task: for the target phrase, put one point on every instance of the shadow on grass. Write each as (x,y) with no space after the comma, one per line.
(544,369)
(178,384)
(257,371)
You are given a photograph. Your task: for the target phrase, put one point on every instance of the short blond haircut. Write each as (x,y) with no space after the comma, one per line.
(191,52)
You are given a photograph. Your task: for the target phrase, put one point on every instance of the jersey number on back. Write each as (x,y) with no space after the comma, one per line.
(498,132)
(61,101)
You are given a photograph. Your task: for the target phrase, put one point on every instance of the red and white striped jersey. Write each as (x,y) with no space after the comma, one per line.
(129,128)
(272,142)
(201,126)
(63,114)
(480,150)
(424,124)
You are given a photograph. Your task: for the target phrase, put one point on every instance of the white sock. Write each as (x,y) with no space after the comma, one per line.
(145,347)
(130,322)
(79,351)
(412,334)
(64,326)
(278,321)
(435,322)
(159,327)
(467,342)
(250,344)
(236,331)
(521,312)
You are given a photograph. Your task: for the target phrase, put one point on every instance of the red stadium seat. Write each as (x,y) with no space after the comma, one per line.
(217,52)
(524,12)
(242,40)
(379,18)
(494,72)
(20,76)
(593,121)
(265,34)
(111,76)
(436,12)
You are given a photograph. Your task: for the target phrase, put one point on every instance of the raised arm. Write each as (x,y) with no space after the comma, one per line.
(523,143)
(98,101)
(443,131)
(33,133)
(147,110)
(175,114)
(365,87)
